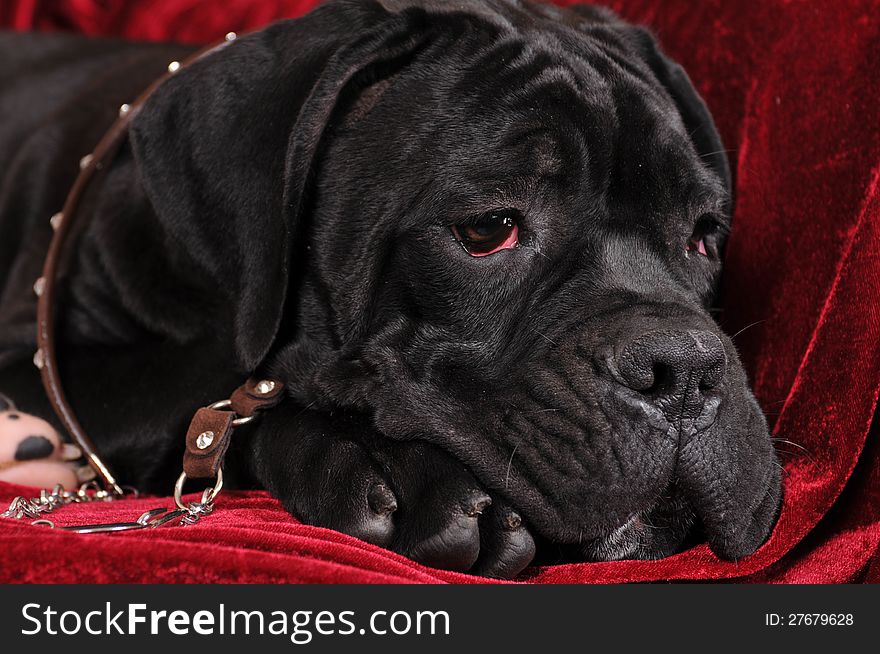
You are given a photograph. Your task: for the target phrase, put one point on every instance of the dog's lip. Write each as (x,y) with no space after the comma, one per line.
(640,536)
(616,545)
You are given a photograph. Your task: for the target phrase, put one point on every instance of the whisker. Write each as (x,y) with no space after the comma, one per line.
(306,408)
(757,322)
(709,154)
(785,440)
(785,473)
(509,463)
(651,525)
(539,253)
(547,338)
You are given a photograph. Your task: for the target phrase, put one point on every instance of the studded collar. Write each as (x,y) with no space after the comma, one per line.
(211,427)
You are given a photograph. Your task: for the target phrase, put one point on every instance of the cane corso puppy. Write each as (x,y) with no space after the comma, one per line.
(477,241)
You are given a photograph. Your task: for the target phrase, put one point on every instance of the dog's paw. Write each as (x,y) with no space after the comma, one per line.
(445,519)
(410,497)
(33,454)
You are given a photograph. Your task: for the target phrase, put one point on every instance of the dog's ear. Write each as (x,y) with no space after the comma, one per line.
(693,110)
(226,147)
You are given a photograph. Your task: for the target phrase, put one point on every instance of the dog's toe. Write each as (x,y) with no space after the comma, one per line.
(443,533)
(455,547)
(326,479)
(373,522)
(506,546)
(366,513)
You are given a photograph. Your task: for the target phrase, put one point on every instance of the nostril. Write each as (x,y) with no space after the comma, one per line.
(711,377)
(664,377)
(672,362)
(710,359)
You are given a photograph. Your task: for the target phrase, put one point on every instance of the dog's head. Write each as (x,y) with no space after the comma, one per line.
(497,227)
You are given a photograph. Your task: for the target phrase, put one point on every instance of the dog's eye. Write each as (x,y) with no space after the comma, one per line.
(706,238)
(489,232)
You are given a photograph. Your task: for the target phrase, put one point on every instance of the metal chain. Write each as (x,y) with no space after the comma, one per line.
(186,513)
(48,501)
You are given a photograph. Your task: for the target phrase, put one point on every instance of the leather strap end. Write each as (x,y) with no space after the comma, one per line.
(207,440)
(256,395)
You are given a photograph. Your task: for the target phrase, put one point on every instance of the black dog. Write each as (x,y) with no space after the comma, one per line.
(477,242)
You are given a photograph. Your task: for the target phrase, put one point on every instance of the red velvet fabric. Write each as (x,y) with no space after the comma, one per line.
(795,88)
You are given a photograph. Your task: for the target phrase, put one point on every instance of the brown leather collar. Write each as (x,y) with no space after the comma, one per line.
(211,427)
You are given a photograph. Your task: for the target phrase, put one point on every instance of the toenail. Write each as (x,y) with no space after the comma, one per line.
(478,504)
(381,499)
(512,521)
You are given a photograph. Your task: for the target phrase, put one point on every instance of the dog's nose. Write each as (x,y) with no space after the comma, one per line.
(672,365)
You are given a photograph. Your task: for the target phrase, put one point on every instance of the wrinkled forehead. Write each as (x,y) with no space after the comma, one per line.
(492,109)
(515,110)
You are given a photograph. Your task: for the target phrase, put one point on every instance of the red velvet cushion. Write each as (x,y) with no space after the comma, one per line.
(795,89)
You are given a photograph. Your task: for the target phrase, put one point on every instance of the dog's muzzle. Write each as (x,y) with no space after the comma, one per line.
(681,446)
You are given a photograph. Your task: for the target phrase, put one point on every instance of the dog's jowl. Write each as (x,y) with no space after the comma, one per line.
(478,242)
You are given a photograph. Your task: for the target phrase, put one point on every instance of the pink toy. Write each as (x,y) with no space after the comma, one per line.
(33,454)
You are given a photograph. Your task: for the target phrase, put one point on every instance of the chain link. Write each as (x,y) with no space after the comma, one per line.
(34,507)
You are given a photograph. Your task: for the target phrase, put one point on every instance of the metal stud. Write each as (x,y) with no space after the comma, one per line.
(124,109)
(231,36)
(39,285)
(265,386)
(204,440)
(39,359)
(55,220)
(174,66)
(85,161)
